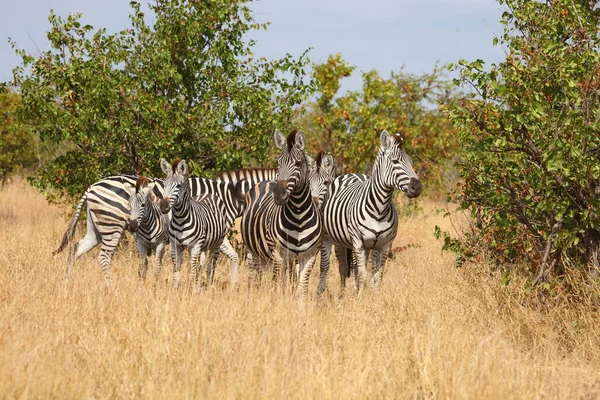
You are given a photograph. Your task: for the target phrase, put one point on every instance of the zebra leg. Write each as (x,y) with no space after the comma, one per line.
(255,271)
(158,257)
(341,254)
(325,259)
(91,239)
(360,267)
(142,249)
(306,266)
(107,250)
(227,249)
(378,261)
(177,254)
(195,255)
(279,269)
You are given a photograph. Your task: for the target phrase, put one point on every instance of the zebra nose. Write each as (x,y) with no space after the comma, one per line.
(280,194)
(414,188)
(164,205)
(133,225)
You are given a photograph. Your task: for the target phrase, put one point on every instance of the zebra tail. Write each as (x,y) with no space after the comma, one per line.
(350,261)
(69,233)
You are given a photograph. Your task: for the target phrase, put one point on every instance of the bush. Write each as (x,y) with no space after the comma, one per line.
(349,125)
(186,86)
(530,140)
(17,145)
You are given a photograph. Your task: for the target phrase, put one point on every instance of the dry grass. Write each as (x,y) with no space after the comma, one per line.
(434,331)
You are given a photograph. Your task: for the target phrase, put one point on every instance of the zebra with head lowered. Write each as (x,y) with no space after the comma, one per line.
(281,222)
(148,225)
(108,209)
(360,215)
(198,225)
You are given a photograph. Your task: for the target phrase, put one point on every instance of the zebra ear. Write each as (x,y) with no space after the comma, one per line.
(309,160)
(386,140)
(327,161)
(300,140)
(280,140)
(183,169)
(166,167)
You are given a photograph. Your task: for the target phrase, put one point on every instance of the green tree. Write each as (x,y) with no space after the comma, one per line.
(530,136)
(349,124)
(186,86)
(17,145)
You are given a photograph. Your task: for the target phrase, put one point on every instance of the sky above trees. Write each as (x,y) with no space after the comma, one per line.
(380,34)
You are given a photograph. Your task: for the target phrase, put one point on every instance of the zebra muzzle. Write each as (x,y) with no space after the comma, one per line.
(164,205)
(414,188)
(133,225)
(280,193)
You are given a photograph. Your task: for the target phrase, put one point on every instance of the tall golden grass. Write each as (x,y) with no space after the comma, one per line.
(434,331)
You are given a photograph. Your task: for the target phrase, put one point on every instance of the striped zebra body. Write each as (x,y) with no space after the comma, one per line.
(247,176)
(108,213)
(197,225)
(148,225)
(281,222)
(360,215)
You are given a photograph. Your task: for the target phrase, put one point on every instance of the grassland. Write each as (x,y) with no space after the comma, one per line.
(434,331)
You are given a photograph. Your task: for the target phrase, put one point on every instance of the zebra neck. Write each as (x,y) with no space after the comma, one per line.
(380,192)
(152,213)
(299,199)
(183,199)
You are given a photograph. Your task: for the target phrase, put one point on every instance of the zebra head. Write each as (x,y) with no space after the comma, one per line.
(138,201)
(322,172)
(396,165)
(176,174)
(292,168)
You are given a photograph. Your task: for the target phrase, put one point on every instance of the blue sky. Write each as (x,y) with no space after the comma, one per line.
(380,34)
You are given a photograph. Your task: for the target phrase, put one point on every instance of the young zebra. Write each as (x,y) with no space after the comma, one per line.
(321,173)
(108,213)
(281,222)
(198,225)
(148,225)
(360,214)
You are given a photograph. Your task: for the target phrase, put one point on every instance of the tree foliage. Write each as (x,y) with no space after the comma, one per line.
(530,137)
(348,125)
(16,144)
(187,85)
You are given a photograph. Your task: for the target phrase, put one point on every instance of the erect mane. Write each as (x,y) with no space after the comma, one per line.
(175,164)
(291,139)
(141,182)
(319,159)
(399,139)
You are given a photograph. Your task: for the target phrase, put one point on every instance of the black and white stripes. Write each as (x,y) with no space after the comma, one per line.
(360,214)
(198,225)
(148,225)
(281,222)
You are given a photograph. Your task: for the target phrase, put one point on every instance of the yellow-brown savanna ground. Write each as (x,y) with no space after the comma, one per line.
(434,331)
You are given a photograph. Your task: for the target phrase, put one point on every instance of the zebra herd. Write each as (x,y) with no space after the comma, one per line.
(288,214)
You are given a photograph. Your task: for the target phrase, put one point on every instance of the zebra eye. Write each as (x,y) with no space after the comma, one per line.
(298,163)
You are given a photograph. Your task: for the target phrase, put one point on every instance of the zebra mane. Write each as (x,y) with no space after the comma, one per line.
(319,159)
(291,139)
(141,182)
(175,164)
(399,139)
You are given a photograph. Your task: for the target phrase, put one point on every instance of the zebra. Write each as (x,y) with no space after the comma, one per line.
(360,215)
(148,225)
(198,225)
(281,222)
(107,202)
(322,172)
